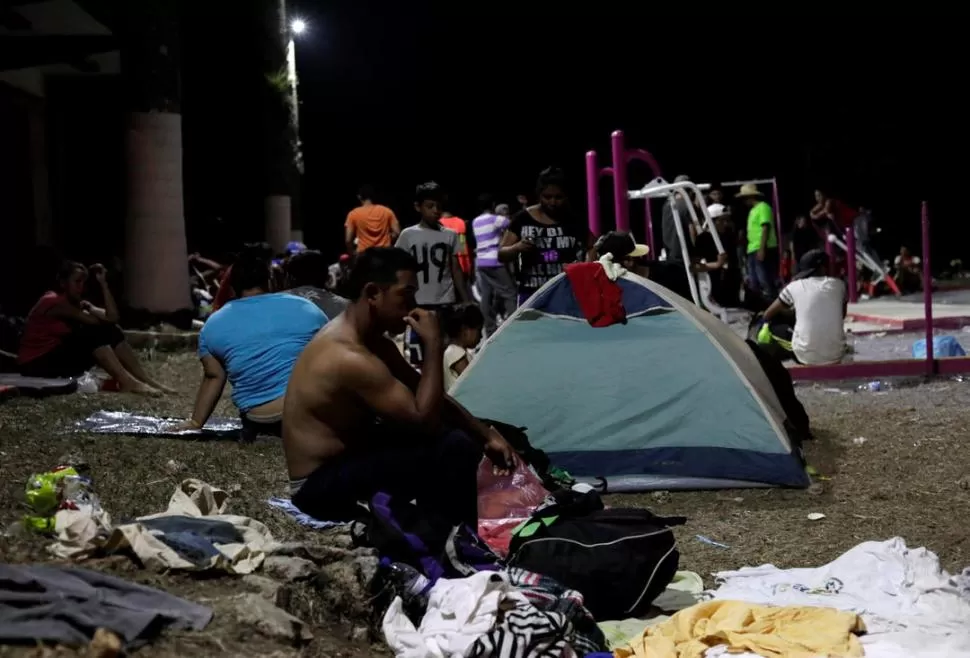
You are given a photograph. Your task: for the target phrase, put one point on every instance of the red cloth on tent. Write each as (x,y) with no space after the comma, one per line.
(600,299)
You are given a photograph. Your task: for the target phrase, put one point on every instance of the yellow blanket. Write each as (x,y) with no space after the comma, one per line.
(771,632)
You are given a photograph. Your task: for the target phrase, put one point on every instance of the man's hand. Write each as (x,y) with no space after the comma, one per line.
(523,246)
(502,455)
(99,272)
(425,323)
(722,260)
(761,255)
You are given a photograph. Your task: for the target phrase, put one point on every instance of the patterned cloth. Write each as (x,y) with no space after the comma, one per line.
(552,621)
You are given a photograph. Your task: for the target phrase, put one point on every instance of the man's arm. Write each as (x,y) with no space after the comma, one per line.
(395,228)
(784,303)
(458,276)
(349,238)
(452,412)
(373,379)
(776,307)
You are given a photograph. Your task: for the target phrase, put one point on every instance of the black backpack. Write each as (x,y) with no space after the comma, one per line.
(619,559)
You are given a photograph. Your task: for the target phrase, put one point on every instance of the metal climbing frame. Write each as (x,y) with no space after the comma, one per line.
(658,188)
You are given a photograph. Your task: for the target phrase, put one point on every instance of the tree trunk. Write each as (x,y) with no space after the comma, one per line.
(280,139)
(156,275)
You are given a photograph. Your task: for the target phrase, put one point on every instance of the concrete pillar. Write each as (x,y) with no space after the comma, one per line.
(280,116)
(156,275)
(43,220)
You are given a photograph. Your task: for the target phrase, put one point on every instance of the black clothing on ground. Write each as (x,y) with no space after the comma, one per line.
(440,471)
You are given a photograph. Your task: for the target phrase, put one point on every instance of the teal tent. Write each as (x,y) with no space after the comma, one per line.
(672,399)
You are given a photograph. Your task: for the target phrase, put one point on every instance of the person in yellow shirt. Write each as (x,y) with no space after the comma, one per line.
(762,241)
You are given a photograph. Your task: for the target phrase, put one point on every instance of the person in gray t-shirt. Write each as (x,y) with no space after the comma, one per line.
(669,225)
(440,279)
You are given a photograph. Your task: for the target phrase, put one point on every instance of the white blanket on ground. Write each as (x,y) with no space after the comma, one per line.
(909,604)
(459,611)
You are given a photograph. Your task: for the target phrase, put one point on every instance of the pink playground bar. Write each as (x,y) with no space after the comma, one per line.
(622,157)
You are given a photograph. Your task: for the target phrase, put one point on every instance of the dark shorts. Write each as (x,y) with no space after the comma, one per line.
(439,471)
(75,354)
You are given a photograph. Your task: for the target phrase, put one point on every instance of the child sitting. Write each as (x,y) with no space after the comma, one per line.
(463,328)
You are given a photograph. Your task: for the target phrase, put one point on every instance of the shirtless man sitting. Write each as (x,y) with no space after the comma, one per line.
(359,419)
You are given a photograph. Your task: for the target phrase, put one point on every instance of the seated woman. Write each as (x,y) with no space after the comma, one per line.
(65,335)
(253,342)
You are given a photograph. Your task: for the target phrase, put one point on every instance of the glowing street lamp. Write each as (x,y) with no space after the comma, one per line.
(298,26)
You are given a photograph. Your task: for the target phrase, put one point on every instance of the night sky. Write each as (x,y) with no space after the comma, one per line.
(481,98)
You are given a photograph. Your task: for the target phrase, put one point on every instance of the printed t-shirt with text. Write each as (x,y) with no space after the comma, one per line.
(556,247)
(434,249)
(760,217)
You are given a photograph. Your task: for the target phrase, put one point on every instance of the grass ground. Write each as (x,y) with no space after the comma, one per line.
(909,476)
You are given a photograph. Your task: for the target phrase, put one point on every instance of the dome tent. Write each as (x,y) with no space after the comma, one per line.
(672,399)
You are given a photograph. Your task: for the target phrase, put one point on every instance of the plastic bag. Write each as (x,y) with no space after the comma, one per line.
(508,496)
(64,487)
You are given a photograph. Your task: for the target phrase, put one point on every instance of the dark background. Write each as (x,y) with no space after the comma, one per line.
(480,98)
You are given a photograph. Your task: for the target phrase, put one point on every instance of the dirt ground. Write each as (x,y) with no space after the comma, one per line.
(891,464)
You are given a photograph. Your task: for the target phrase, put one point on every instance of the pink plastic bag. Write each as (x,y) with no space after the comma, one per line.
(508,496)
(497,533)
(505,501)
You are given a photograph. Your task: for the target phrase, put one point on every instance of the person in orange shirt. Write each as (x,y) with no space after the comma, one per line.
(458,225)
(371,224)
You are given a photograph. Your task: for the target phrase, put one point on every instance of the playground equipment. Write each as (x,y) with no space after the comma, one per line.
(853,259)
(658,188)
(622,157)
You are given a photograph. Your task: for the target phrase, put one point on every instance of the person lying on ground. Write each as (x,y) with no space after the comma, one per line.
(359,420)
(306,276)
(65,335)
(253,342)
(819,302)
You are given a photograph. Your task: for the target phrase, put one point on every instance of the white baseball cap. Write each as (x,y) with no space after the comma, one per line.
(716,210)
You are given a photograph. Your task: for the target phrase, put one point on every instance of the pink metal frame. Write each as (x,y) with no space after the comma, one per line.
(621,157)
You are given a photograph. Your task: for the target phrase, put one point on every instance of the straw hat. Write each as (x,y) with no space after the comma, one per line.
(748,189)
